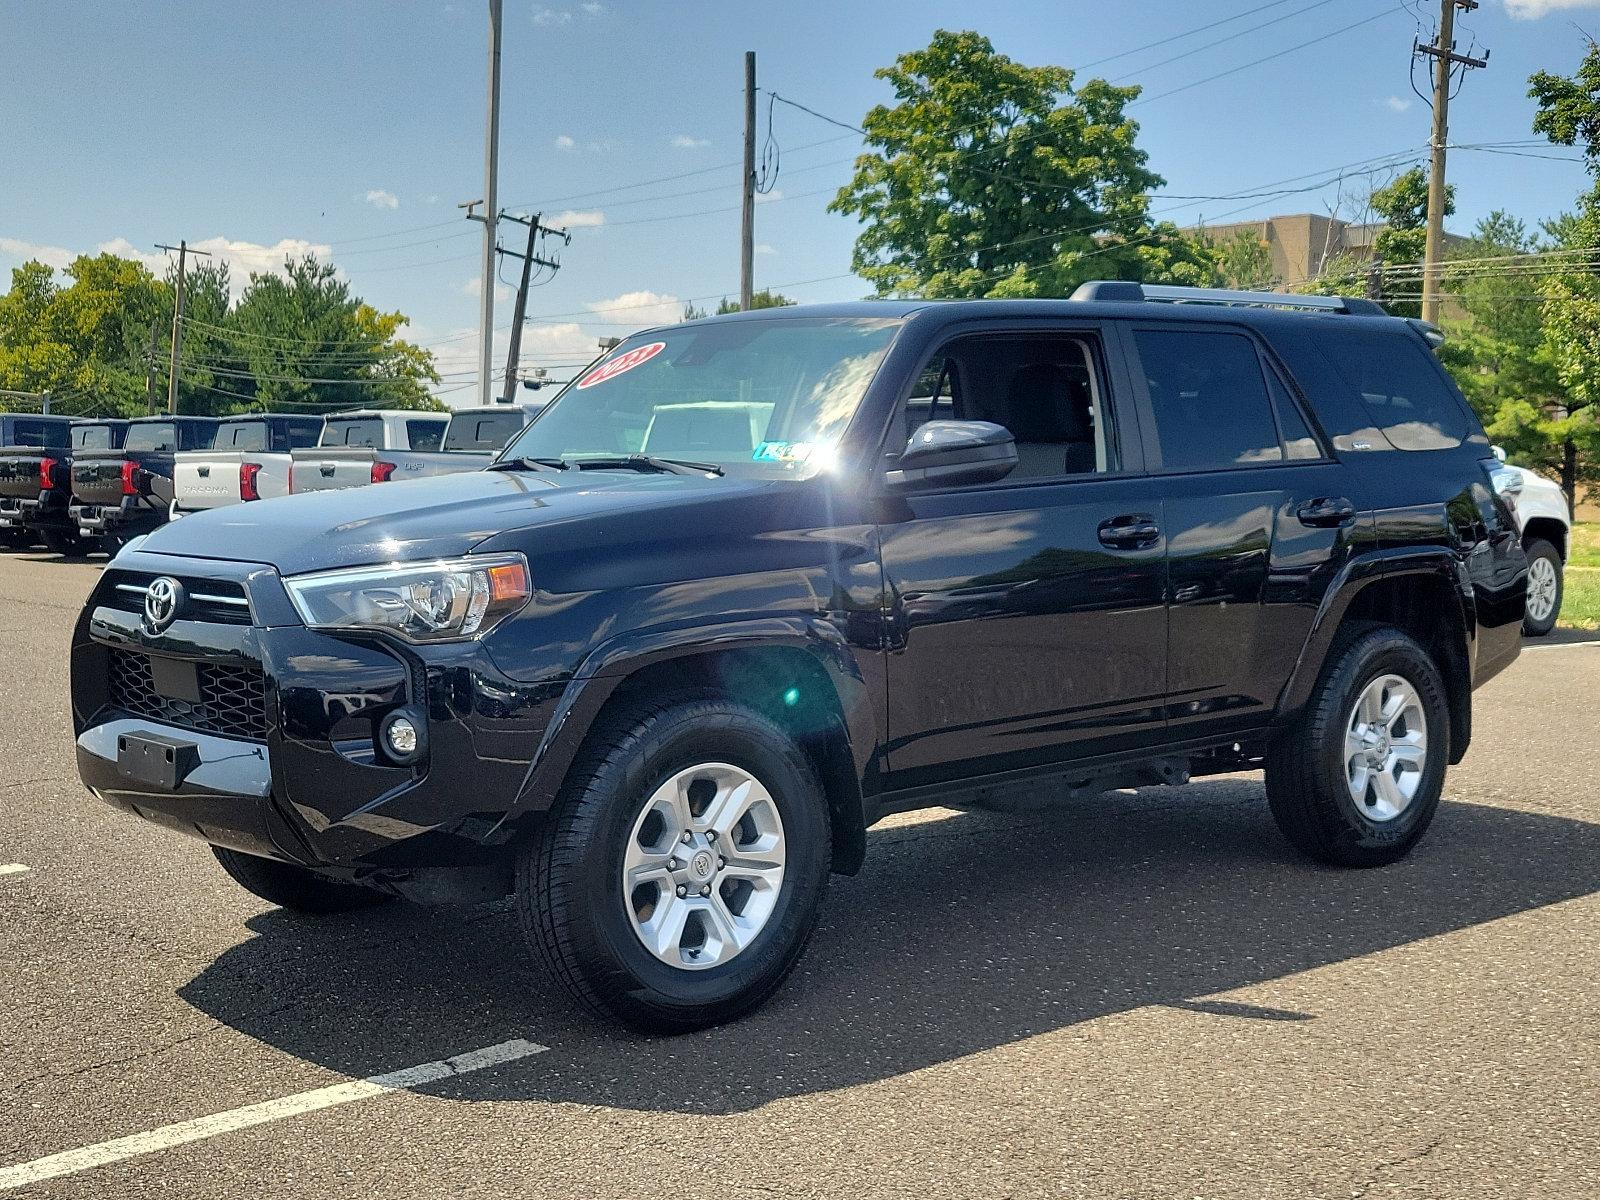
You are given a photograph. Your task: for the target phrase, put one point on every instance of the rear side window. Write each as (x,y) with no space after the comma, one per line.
(242,435)
(425,435)
(1298,440)
(1401,387)
(360,431)
(1210,399)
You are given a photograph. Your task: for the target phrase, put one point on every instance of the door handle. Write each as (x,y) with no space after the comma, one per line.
(1326,512)
(1131,531)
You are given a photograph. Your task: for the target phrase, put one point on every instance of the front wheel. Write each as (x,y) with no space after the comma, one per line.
(1355,782)
(681,873)
(1544,588)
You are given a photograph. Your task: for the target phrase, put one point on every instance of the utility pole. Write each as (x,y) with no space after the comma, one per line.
(529,261)
(150,374)
(747,240)
(491,170)
(177,317)
(1443,52)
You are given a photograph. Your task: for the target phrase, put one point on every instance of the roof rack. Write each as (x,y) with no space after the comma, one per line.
(1122,291)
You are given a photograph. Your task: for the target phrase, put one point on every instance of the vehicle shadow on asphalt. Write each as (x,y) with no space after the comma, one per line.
(962,934)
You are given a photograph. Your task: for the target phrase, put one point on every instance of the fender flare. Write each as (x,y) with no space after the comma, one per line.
(612,662)
(1352,579)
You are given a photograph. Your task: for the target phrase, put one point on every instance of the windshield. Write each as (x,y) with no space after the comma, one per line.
(769,398)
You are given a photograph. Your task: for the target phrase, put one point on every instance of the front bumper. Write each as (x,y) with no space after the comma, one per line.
(283,723)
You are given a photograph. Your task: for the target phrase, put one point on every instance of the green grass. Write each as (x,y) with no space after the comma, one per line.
(1580,605)
(1585,545)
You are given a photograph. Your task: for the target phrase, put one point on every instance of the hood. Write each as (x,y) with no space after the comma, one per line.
(438,517)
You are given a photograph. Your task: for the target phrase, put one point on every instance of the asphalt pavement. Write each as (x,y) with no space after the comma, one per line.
(1144,995)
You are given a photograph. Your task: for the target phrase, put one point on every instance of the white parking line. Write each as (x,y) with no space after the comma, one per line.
(1564,646)
(86,1157)
(12,868)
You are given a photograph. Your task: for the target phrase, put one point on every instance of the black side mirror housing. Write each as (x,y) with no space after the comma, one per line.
(951,453)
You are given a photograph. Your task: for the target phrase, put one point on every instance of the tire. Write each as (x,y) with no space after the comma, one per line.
(588,929)
(1310,784)
(15,539)
(67,545)
(295,888)
(1545,587)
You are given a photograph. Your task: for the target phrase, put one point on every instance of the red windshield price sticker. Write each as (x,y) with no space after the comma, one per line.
(623,362)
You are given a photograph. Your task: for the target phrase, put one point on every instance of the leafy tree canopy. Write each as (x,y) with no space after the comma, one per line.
(992,178)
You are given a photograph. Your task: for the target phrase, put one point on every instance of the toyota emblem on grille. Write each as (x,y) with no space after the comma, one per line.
(162,600)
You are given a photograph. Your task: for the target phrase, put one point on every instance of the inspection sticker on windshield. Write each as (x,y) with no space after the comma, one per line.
(623,362)
(784,452)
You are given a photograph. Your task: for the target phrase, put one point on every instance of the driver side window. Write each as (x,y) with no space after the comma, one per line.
(1047,390)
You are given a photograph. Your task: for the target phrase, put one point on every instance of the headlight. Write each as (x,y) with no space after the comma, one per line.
(421,602)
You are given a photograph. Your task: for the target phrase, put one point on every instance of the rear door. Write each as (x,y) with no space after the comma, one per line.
(1027,624)
(1257,514)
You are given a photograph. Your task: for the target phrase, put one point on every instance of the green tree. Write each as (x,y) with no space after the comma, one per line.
(989,177)
(1569,115)
(1242,260)
(765,298)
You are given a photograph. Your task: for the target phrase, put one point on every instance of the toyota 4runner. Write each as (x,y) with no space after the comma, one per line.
(751,583)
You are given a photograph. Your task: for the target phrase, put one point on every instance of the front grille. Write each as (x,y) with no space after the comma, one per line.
(233,700)
(219,601)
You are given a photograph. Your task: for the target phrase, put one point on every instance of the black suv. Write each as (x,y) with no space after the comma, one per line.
(751,583)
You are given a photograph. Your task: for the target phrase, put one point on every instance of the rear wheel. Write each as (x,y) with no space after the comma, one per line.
(292,887)
(1356,781)
(1544,588)
(67,544)
(15,539)
(680,874)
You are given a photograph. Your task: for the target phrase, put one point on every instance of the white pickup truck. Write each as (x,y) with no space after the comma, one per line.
(1540,508)
(248,461)
(364,447)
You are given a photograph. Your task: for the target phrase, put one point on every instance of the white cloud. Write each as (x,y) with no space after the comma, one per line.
(474,287)
(1532,10)
(764,248)
(594,8)
(379,198)
(578,219)
(1397,103)
(684,141)
(639,309)
(51,256)
(769,197)
(567,342)
(565,143)
(155,260)
(552,16)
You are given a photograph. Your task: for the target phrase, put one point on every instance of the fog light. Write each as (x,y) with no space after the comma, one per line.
(402,736)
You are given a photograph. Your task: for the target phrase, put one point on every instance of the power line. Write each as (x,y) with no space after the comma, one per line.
(1232,37)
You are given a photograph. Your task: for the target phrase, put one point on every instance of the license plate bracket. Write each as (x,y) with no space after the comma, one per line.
(162,762)
(175,678)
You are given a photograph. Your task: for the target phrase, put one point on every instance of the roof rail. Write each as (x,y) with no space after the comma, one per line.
(1124,292)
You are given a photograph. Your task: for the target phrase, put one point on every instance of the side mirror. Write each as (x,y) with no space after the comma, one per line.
(950,453)
(1499,452)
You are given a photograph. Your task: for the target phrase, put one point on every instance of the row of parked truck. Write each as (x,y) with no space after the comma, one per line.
(83,485)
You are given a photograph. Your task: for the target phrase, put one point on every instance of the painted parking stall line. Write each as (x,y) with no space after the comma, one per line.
(12,869)
(85,1158)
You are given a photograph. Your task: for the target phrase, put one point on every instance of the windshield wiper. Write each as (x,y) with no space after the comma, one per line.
(527,464)
(645,462)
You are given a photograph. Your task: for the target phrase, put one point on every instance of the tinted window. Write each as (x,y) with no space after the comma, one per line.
(1298,440)
(1401,386)
(425,435)
(931,399)
(242,435)
(356,431)
(483,431)
(154,435)
(304,433)
(39,433)
(91,437)
(1210,399)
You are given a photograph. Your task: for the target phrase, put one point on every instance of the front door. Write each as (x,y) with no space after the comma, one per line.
(1027,616)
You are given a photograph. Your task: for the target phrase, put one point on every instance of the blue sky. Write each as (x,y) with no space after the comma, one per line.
(354,127)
